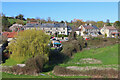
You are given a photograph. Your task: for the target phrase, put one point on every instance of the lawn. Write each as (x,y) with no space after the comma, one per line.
(107,55)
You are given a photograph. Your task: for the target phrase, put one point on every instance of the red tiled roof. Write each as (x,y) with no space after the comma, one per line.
(10,34)
(115,32)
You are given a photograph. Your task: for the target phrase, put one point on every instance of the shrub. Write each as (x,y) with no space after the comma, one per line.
(105,35)
(61,35)
(36,63)
(63,71)
(71,47)
(33,66)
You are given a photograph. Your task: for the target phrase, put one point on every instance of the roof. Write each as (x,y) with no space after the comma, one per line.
(111,27)
(9,34)
(115,32)
(90,27)
(76,29)
(49,25)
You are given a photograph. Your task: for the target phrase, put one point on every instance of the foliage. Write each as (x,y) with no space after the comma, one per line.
(100,24)
(78,22)
(61,35)
(20,16)
(36,64)
(105,35)
(13,21)
(5,23)
(91,22)
(29,43)
(72,36)
(20,22)
(108,22)
(117,25)
(103,73)
(72,47)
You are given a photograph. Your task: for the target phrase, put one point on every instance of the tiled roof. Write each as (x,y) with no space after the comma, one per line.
(110,27)
(90,27)
(50,25)
(76,29)
(9,34)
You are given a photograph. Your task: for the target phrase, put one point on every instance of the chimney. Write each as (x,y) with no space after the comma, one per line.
(104,25)
(112,25)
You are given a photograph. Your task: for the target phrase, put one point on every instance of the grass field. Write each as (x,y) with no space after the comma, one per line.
(107,55)
(14,20)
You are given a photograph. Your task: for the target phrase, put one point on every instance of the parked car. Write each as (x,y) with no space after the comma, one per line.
(86,38)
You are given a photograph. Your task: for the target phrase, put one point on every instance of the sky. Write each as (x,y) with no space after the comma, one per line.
(66,11)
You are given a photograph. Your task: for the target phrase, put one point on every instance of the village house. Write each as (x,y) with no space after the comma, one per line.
(87,30)
(9,35)
(16,27)
(49,28)
(109,31)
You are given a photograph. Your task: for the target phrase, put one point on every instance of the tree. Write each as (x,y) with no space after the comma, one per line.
(29,43)
(20,16)
(100,24)
(77,22)
(91,22)
(108,22)
(20,22)
(49,19)
(117,25)
(62,22)
(5,23)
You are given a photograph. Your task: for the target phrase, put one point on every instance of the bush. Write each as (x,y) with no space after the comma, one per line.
(61,35)
(72,47)
(63,71)
(105,35)
(103,73)
(33,66)
(36,63)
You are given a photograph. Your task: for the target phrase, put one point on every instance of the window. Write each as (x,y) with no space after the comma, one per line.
(63,28)
(56,28)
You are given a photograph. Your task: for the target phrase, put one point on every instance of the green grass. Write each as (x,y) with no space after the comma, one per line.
(7,75)
(14,20)
(11,62)
(108,55)
(54,76)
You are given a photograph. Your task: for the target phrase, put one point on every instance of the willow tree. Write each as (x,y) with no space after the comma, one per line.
(29,43)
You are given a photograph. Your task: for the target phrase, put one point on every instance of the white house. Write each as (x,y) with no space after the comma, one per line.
(86,30)
(109,31)
(49,28)
(16,27)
